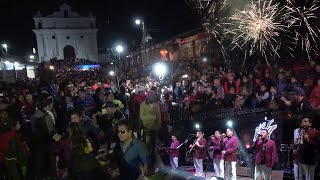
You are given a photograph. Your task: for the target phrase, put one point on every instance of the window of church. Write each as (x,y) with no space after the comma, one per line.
(68,37)
(53,37)
(81,37)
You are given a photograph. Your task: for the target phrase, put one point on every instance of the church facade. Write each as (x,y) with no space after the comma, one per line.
(65,35)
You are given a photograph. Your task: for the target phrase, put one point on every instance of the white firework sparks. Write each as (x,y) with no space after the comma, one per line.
(302,21)
(213,21)
(259,27)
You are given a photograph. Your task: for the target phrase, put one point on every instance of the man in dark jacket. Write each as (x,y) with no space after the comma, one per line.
(266,156)
(44,133)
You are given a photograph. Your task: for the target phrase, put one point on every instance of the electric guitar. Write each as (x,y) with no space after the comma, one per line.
(192,147)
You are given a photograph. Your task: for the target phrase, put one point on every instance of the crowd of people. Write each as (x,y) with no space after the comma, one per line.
(52,125)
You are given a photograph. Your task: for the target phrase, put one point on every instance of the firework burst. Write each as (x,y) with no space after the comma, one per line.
(302,21)
(258,28)
(213,19)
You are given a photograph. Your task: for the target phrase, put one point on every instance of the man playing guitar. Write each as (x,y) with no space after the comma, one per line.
(199,146)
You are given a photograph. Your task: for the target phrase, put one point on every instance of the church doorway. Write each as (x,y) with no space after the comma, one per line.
(68,52)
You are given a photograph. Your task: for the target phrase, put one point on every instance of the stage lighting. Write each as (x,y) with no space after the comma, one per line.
(265,118)
(229,123)
(185,76)
(197,126)
(247,146)
(51,67)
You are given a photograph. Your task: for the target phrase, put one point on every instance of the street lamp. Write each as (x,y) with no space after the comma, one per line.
(138,21)
(31,57)
(111,73)
(144,34)
(119,49)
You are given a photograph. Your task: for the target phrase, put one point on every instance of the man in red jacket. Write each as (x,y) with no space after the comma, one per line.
(199,146)
(231,146)
(266,156)
(309,140)
(174,152)
(217,146)
(136,101)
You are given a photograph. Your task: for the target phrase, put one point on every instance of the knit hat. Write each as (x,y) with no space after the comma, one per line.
(150,94)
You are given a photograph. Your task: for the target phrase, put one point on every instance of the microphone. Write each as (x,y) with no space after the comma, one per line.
(223,135)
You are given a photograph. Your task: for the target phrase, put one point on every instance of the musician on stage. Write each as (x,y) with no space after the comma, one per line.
(230,156)
(266,156)
(199,146)
(309,140)
(174,152)
(217,146)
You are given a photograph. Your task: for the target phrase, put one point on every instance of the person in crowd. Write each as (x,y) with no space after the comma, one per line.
(315,95)
(28,107)
(151,119)
(174,152)
(84,166)
(230,156)
(274,93)
(124,98)
(199,148)
(300,103)
(178,92)
(136,102)
(214,102)
(109,118)
(263,96)
(110,97)
(184,87)
(250,99)
(231,82)
(293,83)
(201,94)
(68,104)
(281,83)
(86,124)
(217,146)
(229,97)
(85,100)
(44,134)
(267,80)
(13,149)
(309,140)
(266,156)
(129,154)
(219,87)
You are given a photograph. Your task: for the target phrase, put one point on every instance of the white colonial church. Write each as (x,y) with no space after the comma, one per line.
(65,34)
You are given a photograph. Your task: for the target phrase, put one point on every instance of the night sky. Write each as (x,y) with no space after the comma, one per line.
(115,20)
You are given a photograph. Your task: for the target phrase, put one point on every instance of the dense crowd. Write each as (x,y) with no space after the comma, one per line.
(52,124)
